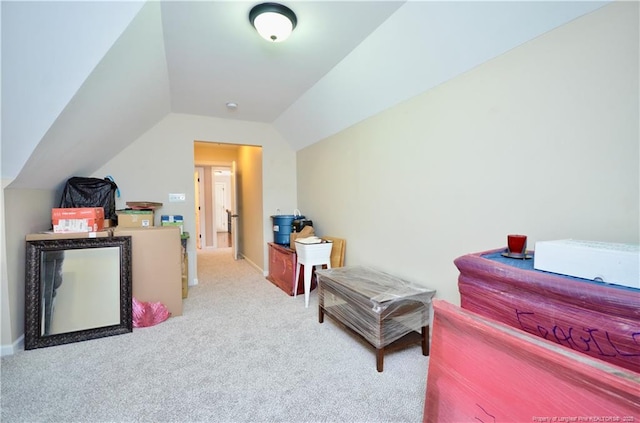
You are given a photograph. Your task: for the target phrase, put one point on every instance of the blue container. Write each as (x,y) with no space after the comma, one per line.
(282,227)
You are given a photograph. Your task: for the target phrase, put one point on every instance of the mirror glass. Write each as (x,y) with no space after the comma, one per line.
(80,289)
(77,289)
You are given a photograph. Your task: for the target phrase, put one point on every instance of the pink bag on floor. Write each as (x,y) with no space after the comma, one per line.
(148,314)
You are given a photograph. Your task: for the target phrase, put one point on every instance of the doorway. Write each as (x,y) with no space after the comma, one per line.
(245,189)
(222,201)
(214,205)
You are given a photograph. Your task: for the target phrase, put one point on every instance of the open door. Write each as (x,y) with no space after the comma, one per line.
(234,212)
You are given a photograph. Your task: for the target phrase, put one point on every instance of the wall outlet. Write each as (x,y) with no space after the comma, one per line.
(177,198)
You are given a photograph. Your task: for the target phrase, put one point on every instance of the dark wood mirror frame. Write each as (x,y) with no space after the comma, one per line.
(34,337)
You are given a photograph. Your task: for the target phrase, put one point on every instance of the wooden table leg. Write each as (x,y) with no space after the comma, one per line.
(320,304)
(379,359)
(380,351)
(425,340)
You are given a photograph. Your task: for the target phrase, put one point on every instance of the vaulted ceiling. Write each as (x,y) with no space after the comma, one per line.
(82,77)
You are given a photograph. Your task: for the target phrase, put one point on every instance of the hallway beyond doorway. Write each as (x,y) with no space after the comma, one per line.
(224,239)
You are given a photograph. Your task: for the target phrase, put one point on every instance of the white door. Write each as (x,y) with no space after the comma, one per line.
(221,207)
(235,219)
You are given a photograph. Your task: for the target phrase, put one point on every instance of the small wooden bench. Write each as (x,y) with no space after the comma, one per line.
(382,309)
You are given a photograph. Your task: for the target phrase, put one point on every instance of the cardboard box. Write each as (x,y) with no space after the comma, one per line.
(306,232)
(172,220)
(135,218)
(185,276)
(156,265)
(602,261)
(71,235)
(81,219)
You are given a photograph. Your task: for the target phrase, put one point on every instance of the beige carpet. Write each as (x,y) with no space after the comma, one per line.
(243,351)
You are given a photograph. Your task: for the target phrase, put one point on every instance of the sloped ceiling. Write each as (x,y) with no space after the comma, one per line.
(86,77)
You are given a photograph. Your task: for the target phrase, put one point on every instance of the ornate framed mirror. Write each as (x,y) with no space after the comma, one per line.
(77,289)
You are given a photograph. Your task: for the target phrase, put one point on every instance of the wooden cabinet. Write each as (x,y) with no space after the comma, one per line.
(282,269)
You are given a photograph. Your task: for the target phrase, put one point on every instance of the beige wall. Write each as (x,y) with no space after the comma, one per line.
(542,141)
(208,152)
(25,212)
(251,222)
(249,176)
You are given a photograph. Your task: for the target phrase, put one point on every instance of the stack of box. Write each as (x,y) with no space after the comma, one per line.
(156,265)
(82,219)
(134,218)
(172,220)
(178,221)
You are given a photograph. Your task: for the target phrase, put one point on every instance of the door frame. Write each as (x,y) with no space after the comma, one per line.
(201,213)
(209,167)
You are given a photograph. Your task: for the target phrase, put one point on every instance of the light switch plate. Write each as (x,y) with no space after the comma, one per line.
(177,198)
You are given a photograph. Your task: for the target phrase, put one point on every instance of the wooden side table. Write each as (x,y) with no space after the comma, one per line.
(282,269)
(384,310)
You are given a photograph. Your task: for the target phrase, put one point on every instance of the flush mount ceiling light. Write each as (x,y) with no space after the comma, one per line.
(274,22)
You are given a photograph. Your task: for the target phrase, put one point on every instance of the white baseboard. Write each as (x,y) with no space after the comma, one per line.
(255,266)
(6,350)
(193,282)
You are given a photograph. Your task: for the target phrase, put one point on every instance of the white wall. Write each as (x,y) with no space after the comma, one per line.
(47,62)
(543,140)
(421,45)
(161,162)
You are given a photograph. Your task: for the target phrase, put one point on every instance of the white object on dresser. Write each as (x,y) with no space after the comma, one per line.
(603,261)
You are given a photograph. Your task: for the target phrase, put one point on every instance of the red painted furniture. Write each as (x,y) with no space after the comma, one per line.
(282,269)
(481,370)
(598,319)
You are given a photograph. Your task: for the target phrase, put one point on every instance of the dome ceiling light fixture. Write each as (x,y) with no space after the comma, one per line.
(273,21)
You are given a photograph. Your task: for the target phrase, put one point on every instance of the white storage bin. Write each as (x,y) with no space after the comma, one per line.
(608,262)
(314,253)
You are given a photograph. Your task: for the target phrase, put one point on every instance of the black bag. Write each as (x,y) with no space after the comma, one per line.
(90,192)
(300,223)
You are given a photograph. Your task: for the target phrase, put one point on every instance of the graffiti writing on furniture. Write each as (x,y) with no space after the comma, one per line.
(585,339)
